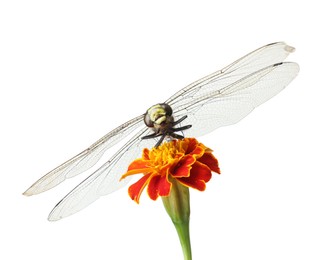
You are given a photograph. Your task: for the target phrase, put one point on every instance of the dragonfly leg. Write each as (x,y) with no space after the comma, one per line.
(151,136)
(180,120)
(176,136)
(169,132)
(180,128)
(160,140)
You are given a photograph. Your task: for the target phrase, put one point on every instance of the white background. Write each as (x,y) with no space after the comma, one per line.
(73,70)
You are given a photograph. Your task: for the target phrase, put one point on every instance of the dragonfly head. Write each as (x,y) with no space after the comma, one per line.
(158,116)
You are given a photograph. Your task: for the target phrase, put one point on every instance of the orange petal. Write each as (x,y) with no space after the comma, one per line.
(136,171)
(135,190)
(139,164)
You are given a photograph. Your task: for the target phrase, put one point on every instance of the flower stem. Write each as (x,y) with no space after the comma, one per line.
(184,236)
(177,205)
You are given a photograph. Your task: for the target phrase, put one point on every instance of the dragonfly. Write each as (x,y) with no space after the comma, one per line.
(219,99)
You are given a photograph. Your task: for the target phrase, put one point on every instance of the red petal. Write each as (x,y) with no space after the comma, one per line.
(211,161)
(195,148)
(146,154)
(198,151)
(136,189)
(159,186)
(182,169)
(192,144)
(199,175)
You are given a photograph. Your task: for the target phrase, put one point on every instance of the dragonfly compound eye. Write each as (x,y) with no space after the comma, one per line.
(157,115)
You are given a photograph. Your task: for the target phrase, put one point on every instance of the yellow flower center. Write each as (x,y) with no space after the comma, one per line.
(167,153)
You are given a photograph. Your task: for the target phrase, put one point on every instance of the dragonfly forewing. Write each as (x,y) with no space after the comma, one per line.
(261,58)
(84,160)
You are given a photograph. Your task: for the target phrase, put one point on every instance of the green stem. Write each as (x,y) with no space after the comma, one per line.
(184,236)
(177,205)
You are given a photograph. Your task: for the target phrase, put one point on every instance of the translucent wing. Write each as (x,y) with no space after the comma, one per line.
(265,56)
(103,181)
(225,106)
(85,159)
(226,96)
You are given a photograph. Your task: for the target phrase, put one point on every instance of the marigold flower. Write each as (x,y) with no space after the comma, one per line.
(187,161)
